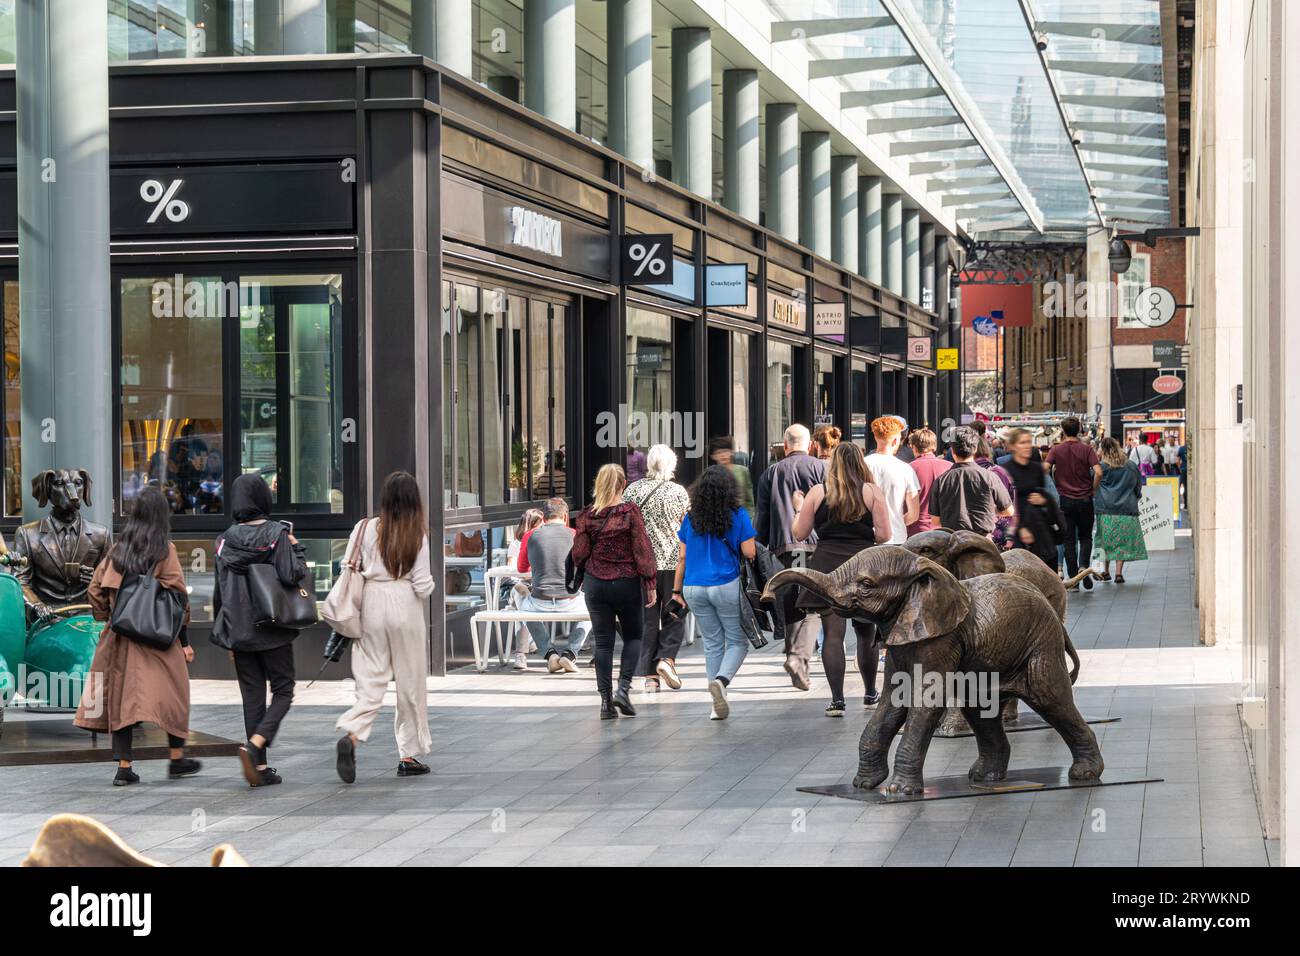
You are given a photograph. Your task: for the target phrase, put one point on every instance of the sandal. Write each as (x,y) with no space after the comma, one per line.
(1103,575)
(1119,579)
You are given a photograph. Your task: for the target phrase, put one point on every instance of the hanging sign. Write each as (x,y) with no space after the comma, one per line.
(1168,384)
(1154,306)
(919,350)
(946,360)
(984,325)
(647,260)
(828,318)
(726,284)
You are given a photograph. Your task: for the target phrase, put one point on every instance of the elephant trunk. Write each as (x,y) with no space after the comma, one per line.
(821,584)
(1085,572)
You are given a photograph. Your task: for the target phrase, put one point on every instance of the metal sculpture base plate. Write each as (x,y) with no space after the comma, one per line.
(1028,720)
(1018,781)
(48,740)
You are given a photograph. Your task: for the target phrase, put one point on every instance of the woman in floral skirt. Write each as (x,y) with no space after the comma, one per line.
(1118,534)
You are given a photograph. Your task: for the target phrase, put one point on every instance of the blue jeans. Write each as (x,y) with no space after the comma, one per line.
(563,643)
(717,611)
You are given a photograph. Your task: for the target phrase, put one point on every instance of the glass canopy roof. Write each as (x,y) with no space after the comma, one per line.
(962,90)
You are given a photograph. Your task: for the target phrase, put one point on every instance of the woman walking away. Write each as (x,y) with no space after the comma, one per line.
(714,535)
(848,512)
(1039,521)
(394,560)
(612,552)
(130,682)
(263,653)
(1119,530)
(663,505)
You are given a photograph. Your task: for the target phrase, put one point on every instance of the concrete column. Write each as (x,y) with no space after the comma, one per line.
(629,75)
(892,242)
(550,60)
(782,157)
(443,30)
(1099,322)
(304,26)
(815,192)
(870,201)
(740,148)
(64,298)
(1216,323)
(693,109)
(928,298)
(912,255)
(844,211)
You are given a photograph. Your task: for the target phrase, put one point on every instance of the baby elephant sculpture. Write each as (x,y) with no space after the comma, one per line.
(937,627)
(966,554)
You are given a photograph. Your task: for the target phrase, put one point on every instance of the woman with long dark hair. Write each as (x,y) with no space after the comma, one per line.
(848,512)
(1118,536)
(613,552)
(129,682)
(393,554)
(716,532)
(263,653)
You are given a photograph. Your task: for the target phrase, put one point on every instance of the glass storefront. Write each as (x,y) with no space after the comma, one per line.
(824,385)
(780,381)
(224,375)
(504,420)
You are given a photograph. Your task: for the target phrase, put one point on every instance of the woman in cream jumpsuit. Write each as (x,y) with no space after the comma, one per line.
(393,643)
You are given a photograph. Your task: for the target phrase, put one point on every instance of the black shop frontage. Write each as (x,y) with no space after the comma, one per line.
(326,270)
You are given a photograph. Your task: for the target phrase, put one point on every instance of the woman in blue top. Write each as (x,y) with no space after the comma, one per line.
(714,535)
(1118,536)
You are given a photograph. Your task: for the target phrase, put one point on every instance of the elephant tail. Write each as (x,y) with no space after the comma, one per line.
(1074,655)
(1072,582)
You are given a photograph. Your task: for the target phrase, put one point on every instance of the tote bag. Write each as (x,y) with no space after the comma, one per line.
(147,612)
(342,608)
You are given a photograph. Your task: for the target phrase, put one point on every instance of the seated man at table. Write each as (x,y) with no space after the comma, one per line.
(543,552)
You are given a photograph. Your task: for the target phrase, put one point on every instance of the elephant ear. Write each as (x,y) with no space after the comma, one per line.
(936,604)
(971,554)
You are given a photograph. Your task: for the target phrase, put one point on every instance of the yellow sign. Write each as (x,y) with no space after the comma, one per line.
(1172,482)
(945,359)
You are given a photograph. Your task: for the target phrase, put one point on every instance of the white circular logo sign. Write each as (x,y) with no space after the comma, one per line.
(1154,306)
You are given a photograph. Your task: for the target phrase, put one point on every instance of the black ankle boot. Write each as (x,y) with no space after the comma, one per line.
(607,711)
(622,704)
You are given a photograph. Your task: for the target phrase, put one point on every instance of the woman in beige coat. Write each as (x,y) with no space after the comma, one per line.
(393,553)
(130,683)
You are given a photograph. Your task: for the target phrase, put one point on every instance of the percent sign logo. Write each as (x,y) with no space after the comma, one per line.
(645,259)
(164,200)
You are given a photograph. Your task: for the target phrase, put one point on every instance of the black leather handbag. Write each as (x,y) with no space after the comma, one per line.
(749,620)
(283,605)
(148,613)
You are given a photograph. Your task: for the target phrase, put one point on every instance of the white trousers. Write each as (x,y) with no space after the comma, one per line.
(393,646)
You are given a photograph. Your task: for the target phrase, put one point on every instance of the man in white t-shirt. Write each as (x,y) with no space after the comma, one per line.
(896,478)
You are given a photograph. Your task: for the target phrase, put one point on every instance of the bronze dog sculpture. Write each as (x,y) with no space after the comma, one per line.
(62,549)
(966,555)
(938,627)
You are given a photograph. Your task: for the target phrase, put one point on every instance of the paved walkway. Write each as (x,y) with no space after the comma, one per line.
(524,773)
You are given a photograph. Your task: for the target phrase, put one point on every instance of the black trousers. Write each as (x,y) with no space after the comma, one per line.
(621,601)
(791,614)
(256,669)
(122,742)
(660,643)
(1079,518)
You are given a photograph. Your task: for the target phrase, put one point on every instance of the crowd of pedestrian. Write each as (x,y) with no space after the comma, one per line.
(644,555)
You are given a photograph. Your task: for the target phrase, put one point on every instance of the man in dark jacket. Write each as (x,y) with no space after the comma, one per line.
(778,496)
(263,653)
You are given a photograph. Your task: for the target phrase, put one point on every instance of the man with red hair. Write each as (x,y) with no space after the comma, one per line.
(896,478)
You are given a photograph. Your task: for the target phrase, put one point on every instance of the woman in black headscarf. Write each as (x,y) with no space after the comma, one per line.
(263,653)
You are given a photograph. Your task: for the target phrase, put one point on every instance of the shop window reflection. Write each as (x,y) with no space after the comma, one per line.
(13,487)
(740,350)
(172,413)
(824,395)
(780,372)
(649,384)
(469,413)
(290,402)
(547,471)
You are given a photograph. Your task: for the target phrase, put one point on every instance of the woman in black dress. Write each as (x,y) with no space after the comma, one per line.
(847,513)
(1038,516)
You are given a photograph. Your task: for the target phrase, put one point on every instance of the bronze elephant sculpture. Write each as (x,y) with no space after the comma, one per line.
(966,555)
(940,629)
